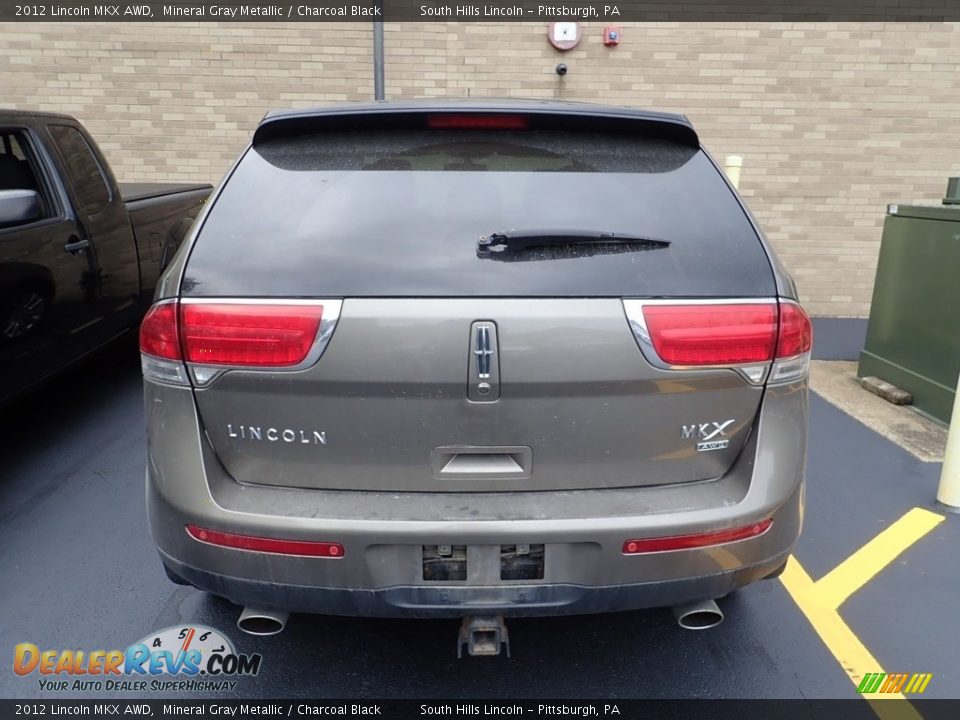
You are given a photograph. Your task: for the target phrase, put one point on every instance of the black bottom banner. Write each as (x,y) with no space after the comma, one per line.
(853,709)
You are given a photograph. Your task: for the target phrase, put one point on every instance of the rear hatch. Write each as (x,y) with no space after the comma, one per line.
(470,270)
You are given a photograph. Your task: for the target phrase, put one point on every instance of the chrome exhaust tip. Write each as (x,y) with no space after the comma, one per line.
(698,615)
(256,621)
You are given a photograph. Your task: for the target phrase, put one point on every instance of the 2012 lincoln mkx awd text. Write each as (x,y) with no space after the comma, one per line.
(475,359)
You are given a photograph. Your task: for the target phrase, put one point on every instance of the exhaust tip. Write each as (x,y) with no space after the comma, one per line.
(262,622)
(700,615)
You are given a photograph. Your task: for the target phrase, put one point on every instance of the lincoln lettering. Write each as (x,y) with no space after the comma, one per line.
(272,434)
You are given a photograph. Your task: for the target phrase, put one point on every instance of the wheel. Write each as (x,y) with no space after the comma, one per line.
(23,310)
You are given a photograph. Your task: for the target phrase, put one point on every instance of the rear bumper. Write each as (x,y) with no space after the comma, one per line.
(383,534)
(380,573)
(514,600)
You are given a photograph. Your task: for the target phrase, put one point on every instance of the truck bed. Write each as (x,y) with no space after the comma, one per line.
(133,192)
(160,215)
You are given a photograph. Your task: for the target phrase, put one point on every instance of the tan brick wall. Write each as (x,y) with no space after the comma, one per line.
(834,120)
(179,101)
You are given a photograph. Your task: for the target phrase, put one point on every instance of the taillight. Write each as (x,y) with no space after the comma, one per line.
(248,335)
(751,337)
(796,332)
(697,540)
(793,345)
(160,355)
(712,334)
(158,332)
(476,121)
(213,336)
(308,548)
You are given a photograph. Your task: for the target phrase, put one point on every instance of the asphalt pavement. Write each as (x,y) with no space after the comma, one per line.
(78,571)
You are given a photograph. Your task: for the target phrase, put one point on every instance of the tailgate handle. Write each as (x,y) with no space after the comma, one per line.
(471,461)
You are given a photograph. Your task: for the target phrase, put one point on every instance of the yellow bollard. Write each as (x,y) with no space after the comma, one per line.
(731,167)
(948,494)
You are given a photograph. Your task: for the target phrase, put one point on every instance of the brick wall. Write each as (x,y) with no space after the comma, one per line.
(834,120)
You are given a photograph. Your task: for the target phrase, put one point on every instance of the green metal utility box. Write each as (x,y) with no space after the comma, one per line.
(913,336)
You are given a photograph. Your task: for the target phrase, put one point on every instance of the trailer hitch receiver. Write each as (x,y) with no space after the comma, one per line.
(483,635)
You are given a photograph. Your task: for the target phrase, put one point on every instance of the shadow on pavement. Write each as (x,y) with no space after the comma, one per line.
(48,412)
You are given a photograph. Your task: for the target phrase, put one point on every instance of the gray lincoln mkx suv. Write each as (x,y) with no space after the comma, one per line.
(475,359)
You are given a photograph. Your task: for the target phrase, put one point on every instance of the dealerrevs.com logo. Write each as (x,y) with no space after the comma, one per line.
(191,658)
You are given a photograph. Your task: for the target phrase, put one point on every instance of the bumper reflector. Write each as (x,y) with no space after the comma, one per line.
(685,542)
(306,548)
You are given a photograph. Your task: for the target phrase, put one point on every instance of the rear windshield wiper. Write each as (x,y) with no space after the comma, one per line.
(519,240)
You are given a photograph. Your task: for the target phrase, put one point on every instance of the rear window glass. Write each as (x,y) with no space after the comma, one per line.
(85,173)
(400,213)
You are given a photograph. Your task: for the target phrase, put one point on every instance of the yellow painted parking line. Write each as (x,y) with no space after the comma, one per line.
(854,572)
(843,644)
(819,602)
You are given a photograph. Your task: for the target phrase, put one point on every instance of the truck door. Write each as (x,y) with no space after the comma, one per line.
(42,302)
(105,236)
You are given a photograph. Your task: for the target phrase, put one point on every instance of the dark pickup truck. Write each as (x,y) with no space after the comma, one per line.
(80,254)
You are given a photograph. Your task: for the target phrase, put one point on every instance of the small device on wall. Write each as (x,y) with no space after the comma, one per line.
(564,35)
(611,36)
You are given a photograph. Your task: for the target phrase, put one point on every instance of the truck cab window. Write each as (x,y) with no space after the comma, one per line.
(18,168)
(81,164)
(15,170)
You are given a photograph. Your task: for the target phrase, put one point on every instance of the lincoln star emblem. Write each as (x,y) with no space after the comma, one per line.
(483,352)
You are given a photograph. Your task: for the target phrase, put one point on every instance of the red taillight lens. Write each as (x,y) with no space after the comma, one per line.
(266,545)
(479,121)
(796,332)
(712,334)
(685,542)
(158,332)
(248,334)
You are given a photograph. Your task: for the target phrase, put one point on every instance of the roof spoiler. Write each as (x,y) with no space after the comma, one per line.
(385,116)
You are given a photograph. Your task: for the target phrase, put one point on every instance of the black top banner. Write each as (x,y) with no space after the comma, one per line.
(610,11)
(852,709)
